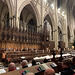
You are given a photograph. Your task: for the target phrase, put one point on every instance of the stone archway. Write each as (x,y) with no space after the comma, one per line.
(50,19)
(29,22)
(61,24)
(4,12)
(28,18)
(49,26)
(33,7)
(51,15)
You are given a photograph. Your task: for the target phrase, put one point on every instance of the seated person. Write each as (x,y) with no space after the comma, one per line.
(45,60)
(29,73)
(73,63)
(24,63)
(49,71)
(33,62)
(23,49)
(66,64)
(11,66)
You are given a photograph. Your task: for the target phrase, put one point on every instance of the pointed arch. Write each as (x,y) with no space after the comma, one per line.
(51,20)
(34,9)
(51,17)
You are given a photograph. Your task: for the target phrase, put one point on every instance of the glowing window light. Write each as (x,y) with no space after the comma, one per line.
(52,5)
(59,10)
(63,13)
(45,1)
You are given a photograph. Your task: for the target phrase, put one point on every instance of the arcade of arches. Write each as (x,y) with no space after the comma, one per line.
(35,24)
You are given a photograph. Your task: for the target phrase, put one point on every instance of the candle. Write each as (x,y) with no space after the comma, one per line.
(72,47)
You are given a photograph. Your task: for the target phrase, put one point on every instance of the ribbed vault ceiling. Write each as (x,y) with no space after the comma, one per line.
(67,6)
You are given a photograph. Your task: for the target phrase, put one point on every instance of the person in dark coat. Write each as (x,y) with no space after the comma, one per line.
(33,62)
(45,60)
(66,65)
(73,63)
